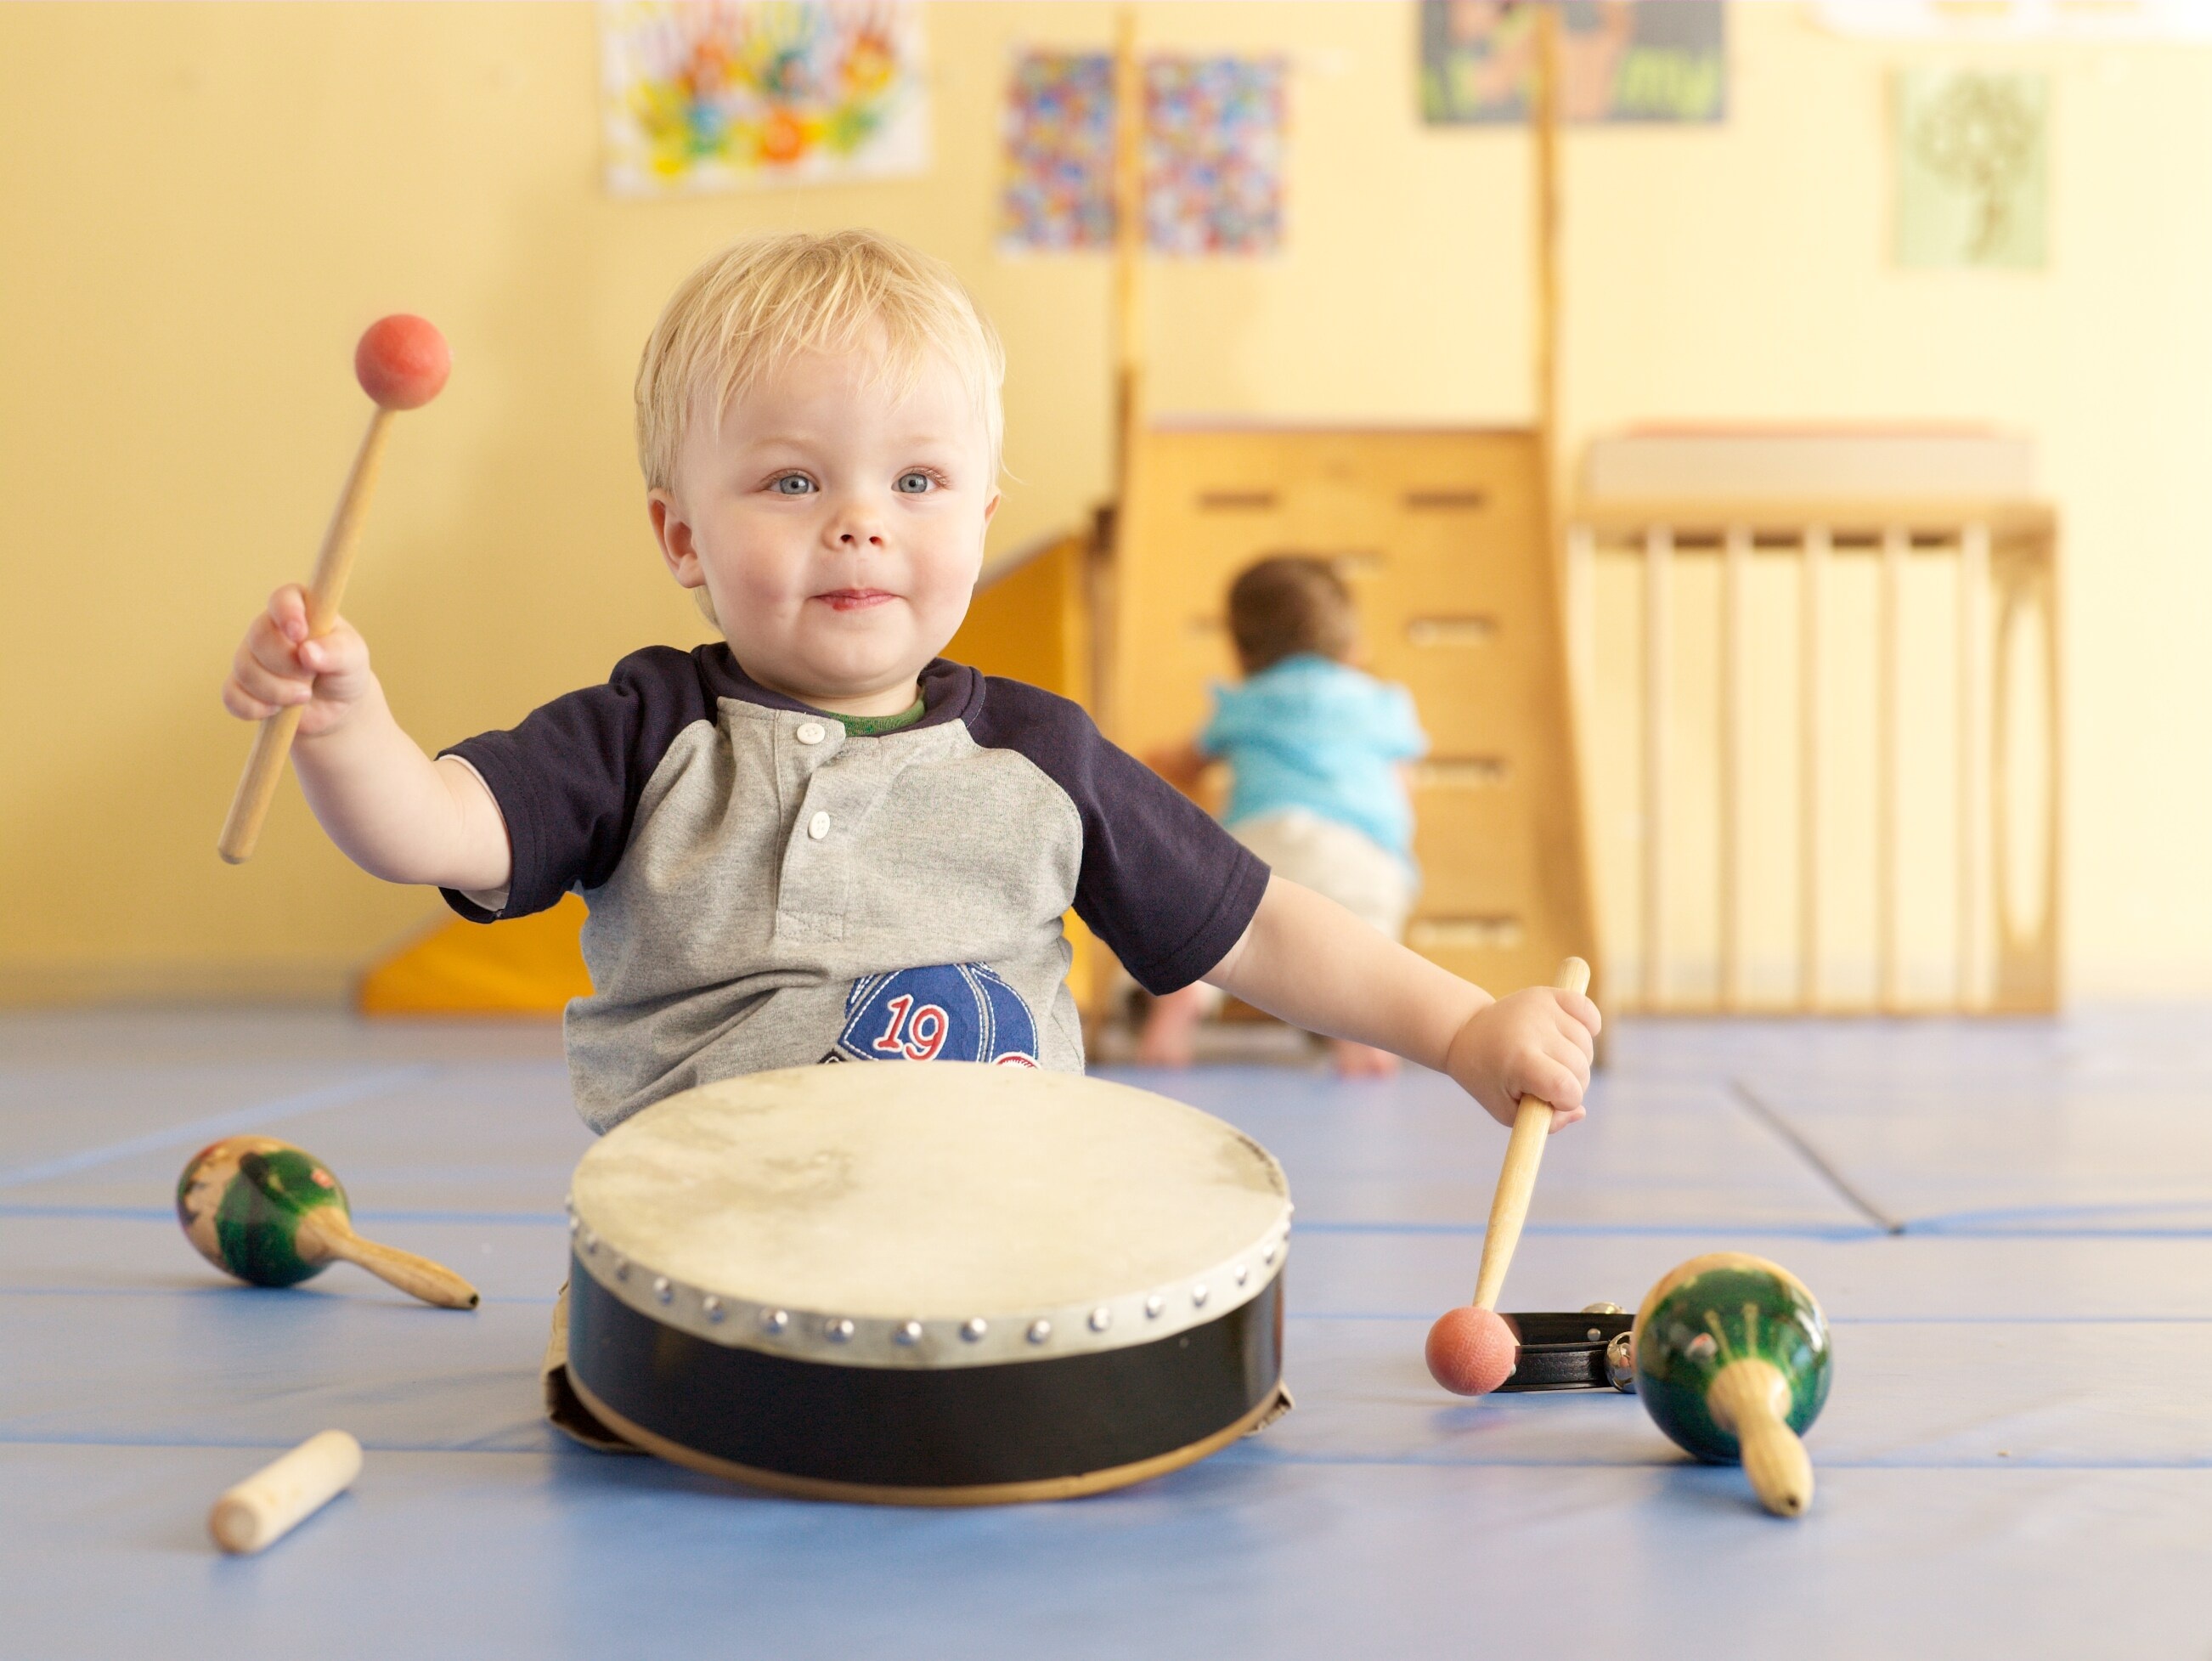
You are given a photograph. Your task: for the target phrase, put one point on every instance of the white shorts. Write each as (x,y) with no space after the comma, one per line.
(1331,858)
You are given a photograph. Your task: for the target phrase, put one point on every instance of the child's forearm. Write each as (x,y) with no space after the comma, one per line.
(1311,961)
(395,812)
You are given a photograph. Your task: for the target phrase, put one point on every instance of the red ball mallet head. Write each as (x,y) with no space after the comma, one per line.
(402,362)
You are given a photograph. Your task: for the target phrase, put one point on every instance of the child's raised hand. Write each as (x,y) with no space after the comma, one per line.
(277,665)
(1538,1043)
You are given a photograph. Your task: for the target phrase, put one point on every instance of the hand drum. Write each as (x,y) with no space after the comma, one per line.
(273,1215)
(1732,1362)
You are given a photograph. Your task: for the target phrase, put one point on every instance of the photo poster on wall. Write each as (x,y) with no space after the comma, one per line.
(702,95)
(1973,168)
(1214,154)
(1619,60)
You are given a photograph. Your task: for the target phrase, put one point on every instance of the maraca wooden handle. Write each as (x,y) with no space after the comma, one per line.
(324,1232)
(1749,1399)
(256,787)
(1516,1177)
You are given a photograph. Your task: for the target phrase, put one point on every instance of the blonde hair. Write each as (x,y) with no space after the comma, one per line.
(752,307)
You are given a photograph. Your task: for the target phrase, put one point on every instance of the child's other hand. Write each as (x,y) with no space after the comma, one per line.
(277,665)
(1538,1043)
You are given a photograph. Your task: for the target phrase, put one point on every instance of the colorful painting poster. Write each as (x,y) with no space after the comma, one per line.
(1619,60)
(1058,141)
(723,94)
(1972,166)
(1214,154)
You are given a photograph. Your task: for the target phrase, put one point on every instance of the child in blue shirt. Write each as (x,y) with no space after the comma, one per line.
(1317,752)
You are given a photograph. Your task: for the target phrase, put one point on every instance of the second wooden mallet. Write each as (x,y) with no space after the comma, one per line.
(401,362)
(1471,1349)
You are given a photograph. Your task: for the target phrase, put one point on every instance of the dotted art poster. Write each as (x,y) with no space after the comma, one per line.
(1619,60)
(1213,153)
(722,94)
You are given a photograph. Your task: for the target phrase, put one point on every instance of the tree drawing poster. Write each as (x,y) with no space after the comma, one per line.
(721,95)
(1973,168)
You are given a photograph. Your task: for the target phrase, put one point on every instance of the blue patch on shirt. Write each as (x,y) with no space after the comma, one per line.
(949,1011)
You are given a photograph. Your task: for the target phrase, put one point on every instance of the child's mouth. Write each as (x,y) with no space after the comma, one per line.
(854,600)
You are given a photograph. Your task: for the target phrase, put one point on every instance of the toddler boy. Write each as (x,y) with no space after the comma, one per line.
(815,839)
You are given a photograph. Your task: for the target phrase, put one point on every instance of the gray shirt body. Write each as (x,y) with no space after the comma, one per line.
(767,890)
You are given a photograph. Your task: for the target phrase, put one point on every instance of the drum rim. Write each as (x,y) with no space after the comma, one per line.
(982,1337)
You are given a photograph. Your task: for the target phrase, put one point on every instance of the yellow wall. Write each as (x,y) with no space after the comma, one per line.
(201,205)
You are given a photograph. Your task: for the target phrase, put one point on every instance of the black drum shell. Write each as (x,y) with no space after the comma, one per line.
(1053,1420)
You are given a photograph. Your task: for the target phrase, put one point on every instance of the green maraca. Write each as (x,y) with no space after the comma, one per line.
(273,1215)
(1732,1362)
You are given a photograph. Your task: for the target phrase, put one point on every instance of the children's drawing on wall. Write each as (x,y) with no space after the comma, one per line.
(1213,153)
(1619,60)
(1059,134)
(721,95)
(1971,169)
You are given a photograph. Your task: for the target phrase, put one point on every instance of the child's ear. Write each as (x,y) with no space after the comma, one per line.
(673,534)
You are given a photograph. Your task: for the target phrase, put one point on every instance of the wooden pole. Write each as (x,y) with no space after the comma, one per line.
(1811,578)
(1736,574)
(1544,112)
(1889,714)
(1658,677)
(1128,243)
(1972,763)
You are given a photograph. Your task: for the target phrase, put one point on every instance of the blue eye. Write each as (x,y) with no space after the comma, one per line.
(792,484)
(915,482)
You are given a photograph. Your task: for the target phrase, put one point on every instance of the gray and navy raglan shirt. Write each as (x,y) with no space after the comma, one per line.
(770,890)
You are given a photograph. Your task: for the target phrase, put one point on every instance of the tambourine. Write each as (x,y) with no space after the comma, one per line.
(1589,1350)
(928,1283)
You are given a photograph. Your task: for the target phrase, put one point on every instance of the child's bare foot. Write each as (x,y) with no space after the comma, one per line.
(1171,1032)
(1358,1061)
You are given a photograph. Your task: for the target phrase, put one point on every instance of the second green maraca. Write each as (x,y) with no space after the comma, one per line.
(1732,1362)
(273,1215)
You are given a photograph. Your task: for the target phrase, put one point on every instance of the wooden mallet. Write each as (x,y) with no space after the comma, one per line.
(1471,1349)
(401,362)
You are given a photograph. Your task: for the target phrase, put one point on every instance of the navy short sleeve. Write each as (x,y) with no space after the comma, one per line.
(568,778)
(1166,888)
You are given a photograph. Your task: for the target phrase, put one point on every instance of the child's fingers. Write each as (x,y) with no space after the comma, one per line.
(258,681)
(1583,1011)
(235,699)
(341,652)
(287,612)
(1550,1080)
(1576,1060)
(266,647)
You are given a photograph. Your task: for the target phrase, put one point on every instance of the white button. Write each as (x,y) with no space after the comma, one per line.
(818,826)
(812,733)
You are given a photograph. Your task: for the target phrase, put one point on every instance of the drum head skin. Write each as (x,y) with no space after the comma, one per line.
(928,1282)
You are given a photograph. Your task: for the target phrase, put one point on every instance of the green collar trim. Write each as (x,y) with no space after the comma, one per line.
(869,726)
